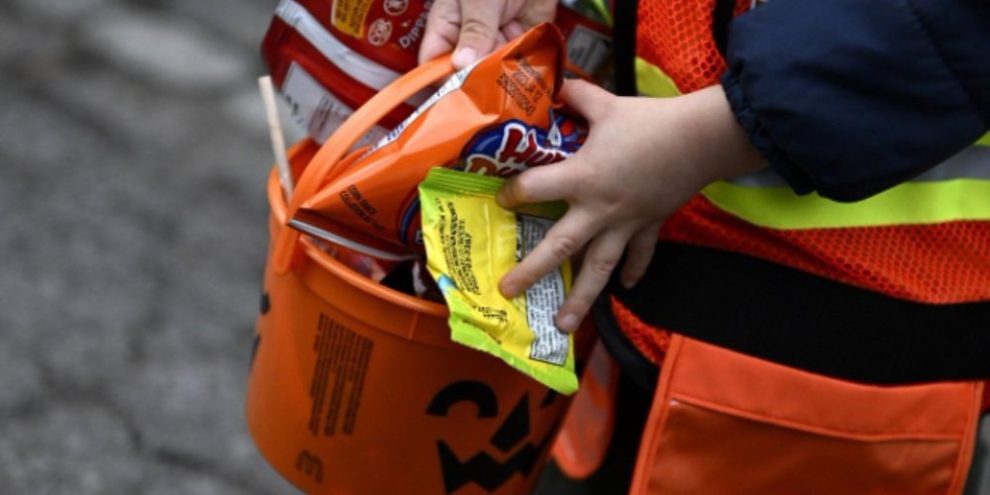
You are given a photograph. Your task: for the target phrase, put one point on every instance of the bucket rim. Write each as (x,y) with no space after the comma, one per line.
(278,207)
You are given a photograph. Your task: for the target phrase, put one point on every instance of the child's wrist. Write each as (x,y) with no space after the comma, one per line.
(720,146)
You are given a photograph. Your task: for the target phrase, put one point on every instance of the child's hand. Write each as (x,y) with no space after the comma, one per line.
(476,27)
(644,158)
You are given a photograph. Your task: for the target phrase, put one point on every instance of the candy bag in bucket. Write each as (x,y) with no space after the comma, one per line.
(357,389)
(497,117)
(471,242)
(328,57)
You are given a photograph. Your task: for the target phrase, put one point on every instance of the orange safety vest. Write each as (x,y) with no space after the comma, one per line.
(727,422)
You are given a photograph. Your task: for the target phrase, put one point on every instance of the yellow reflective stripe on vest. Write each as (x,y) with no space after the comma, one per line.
(909,203)
(602,10)
(956,190)
(651,81)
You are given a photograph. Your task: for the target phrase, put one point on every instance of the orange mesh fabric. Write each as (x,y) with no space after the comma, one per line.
(942,263)
(650,341)
(939,263)
(676,35)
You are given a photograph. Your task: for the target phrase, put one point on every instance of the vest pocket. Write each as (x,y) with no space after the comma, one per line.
(724,422)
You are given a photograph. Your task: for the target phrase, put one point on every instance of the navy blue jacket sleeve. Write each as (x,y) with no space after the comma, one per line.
(850,97)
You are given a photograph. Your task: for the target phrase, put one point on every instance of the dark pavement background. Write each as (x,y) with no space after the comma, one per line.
(133,154)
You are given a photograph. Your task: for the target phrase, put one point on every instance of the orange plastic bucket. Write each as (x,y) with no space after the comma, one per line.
(357,389)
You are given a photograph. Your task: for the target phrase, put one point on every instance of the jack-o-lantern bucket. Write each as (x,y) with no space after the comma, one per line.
(357,389)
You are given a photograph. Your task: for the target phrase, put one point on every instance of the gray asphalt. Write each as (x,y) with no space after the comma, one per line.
(133,154)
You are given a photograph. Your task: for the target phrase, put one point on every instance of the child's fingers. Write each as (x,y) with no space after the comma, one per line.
(479,30)
(539,184)
(442,30)
(639,253)
(602,257)
(513,30)
(564,239)
(588,100)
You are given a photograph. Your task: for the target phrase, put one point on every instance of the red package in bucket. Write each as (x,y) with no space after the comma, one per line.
(498,117)
(329,57)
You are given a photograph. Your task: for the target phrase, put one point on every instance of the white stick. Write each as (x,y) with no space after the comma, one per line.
(275,130)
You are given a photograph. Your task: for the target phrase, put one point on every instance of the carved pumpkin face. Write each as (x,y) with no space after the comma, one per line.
(510,439)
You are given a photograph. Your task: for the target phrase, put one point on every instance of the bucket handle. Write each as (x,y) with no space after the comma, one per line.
(341,141)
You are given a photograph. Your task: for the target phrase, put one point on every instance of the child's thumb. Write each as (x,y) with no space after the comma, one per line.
(479,29)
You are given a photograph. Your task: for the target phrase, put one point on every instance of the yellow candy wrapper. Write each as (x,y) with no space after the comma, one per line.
(471,242)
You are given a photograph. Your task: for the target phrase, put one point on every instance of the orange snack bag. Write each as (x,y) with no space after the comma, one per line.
(498,117)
